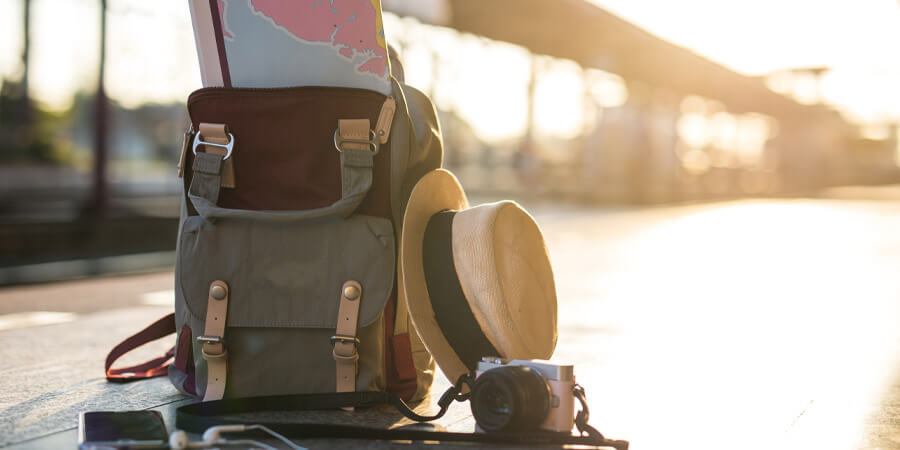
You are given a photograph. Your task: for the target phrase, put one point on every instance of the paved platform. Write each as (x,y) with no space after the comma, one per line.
(751,324)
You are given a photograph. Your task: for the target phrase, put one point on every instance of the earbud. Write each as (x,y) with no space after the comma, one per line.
(179,440)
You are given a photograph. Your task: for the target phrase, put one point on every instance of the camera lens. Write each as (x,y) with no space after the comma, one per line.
(510,398)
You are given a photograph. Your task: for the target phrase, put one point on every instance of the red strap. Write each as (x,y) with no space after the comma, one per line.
(402,379)
(184,360)
(399,366)
(153,368)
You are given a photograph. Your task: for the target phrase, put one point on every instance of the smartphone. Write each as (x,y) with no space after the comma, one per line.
(121,430)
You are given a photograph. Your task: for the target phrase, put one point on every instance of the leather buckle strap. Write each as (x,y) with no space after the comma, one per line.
(209,351)
(344,343)
(355,133)
(210,356)
(352,359)
(212,341)
(209,339)
(228,145)
(185,146)
(385,118)
(215,138)
(340,339)
(344,339)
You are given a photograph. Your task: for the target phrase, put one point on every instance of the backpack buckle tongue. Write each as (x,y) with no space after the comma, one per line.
(209,339)
(344,340)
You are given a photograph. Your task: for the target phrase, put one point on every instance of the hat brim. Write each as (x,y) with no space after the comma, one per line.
(437,191)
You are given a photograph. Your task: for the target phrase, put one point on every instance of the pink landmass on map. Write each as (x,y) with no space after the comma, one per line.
(348,25)
(374,65)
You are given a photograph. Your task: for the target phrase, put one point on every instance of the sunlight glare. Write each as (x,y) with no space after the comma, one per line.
(558,99)
(608,89)
(489,88)
(64,51)
(790,284)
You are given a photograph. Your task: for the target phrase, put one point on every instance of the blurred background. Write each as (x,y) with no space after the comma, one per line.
(600,102)
(718,185)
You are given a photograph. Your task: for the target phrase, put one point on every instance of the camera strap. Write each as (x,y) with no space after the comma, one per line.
(198,417)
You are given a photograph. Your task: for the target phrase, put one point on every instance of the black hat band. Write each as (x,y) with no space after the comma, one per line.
(451,309)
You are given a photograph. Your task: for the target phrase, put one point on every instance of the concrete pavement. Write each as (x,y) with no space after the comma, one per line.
(751,324)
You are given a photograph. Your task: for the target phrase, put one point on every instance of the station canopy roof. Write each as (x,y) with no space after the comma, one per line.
(593,37)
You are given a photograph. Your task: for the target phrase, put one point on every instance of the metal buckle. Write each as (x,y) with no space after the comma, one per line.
(209,339)
(228,147)
(344,339)
(339,140)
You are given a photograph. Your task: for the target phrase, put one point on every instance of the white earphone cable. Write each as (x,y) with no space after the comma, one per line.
(278,436)
(213,437)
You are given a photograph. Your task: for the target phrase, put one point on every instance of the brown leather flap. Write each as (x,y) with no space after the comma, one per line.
(284,154)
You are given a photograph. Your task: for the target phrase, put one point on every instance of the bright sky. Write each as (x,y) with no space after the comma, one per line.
(859,40)
(152,56)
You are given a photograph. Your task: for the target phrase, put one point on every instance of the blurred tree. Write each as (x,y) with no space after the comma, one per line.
(28,135)
(23,139)
(16,113)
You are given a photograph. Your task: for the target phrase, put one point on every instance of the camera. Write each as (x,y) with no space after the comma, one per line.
(523,395)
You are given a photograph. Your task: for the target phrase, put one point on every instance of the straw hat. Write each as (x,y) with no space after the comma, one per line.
(477,280)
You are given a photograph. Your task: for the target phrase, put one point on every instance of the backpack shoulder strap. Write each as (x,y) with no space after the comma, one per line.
(198,417)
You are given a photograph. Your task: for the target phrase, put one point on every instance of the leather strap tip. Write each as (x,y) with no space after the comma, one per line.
(352,358)
(209,355)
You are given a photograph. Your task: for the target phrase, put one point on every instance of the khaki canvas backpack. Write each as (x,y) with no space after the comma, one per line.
(286,270)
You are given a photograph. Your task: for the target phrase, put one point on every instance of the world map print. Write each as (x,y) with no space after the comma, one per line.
(351,28)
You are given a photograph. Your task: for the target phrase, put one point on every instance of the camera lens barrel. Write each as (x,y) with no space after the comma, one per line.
(510,398)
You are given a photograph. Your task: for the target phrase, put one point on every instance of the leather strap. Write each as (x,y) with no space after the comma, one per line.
(217,133)
(154,368)
(345,343)
(213,341)
(401,377)
(354,129)
(385,118)
(401,318)
(185,147)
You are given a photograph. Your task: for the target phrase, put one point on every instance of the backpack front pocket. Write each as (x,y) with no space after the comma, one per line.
(285,283)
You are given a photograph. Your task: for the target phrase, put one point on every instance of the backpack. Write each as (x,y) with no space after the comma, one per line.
(286,270)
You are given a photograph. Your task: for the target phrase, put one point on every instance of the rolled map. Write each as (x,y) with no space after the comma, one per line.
(278,43)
